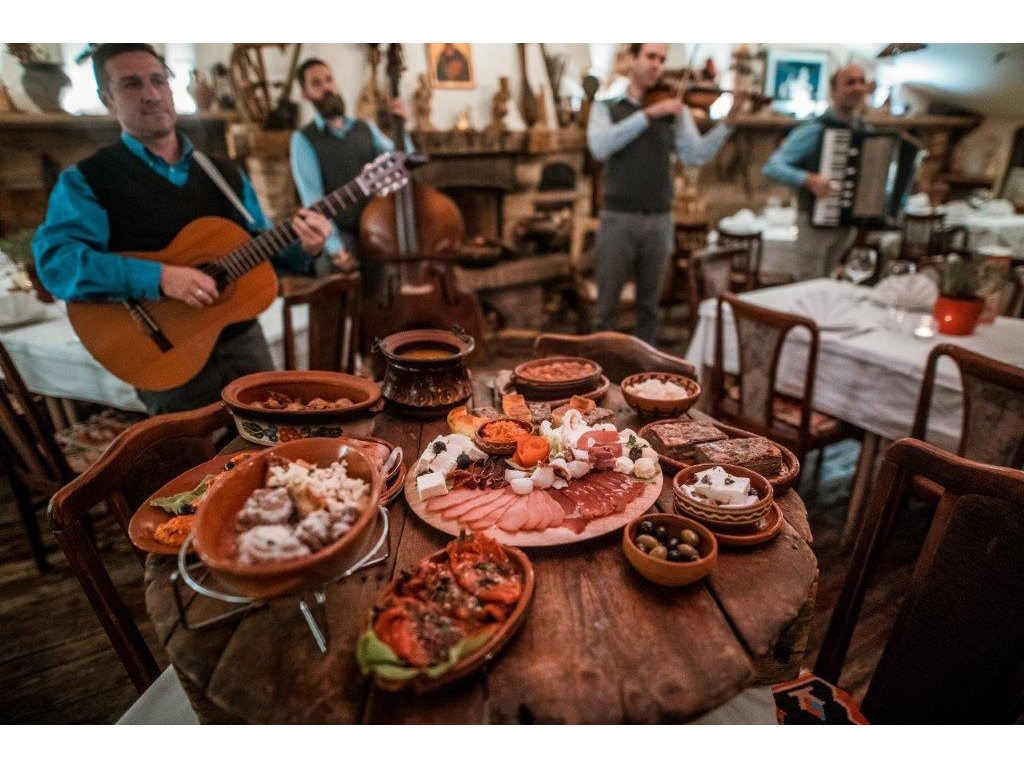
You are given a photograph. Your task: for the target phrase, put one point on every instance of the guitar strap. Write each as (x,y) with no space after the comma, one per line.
(217,178)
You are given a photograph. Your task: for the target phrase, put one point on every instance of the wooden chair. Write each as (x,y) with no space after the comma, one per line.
(619,354)
(918,230)
(992,430)
(333,304)
(956,650)
(750,400)
(709,272)
(747,263)
(947,240)
(1014,306)
(138,462)
(689,238)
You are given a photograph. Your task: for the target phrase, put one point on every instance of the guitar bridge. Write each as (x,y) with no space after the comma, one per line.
(148,325)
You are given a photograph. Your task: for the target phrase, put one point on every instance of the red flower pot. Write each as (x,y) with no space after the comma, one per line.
(957,317)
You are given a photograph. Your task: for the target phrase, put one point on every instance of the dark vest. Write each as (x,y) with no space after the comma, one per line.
(341,160)
(812,163)
(638,177)
(145,211)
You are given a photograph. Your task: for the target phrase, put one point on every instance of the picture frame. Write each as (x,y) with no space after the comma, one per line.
(451,66)
(795,76)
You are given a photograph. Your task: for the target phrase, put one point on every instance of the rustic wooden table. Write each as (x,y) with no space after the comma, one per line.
(599,644)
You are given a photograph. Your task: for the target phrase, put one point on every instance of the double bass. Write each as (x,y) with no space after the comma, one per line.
(416,223)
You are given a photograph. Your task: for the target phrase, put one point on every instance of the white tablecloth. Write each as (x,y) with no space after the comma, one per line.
(53,362)
(871,380)
(1006,231)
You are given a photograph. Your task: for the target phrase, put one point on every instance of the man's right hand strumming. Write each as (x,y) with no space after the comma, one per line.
(818,185)
(187,284)
(663,108)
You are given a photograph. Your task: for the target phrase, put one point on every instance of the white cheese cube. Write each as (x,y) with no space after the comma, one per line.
(719,486)
(430,485)
(443,463)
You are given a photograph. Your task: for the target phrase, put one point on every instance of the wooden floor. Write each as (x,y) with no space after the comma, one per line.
(56,664)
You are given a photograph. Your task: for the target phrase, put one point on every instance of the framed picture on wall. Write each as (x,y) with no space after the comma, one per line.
(450,65)
(797,76)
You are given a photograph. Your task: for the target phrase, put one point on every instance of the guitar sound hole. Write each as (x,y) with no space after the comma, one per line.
(217,273)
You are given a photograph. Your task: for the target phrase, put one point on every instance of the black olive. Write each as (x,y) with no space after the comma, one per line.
(229,465)
(635,452)
(647,527)
(661,533)
(187,509)
(674,556)
(438,447)
(463,461)
(673,543)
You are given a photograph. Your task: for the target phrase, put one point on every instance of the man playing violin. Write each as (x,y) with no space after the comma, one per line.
(635,144)
(135,195)
(796,163)
(329,152)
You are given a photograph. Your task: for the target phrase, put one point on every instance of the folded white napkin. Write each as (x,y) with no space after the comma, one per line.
(831,311)
(910,292)
(919,203)
(20,308)
(743,222)
(997,208)
(956,212)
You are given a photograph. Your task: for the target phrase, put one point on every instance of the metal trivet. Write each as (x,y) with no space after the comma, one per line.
(194,574)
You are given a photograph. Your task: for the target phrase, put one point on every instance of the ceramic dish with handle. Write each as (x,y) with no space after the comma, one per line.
(659,408)
(708,512)
(216,540)
(665,572)
(272,426)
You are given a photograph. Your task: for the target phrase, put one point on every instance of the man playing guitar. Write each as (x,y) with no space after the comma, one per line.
(135,195)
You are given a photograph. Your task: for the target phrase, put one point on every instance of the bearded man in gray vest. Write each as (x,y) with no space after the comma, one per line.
(329,152)
(635,143)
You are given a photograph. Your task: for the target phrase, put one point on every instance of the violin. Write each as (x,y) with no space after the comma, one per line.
(698,96)
(417,222)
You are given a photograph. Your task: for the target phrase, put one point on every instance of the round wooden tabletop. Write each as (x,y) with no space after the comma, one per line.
(599,644)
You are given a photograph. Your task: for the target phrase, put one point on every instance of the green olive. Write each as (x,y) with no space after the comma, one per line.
(689,536)
(688,552)
(642,548)
(647,542)
(659,552)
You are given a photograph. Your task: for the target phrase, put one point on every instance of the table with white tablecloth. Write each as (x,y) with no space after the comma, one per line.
(53,362)
(870,379)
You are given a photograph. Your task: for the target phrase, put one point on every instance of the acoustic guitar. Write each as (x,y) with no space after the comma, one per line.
(157,345)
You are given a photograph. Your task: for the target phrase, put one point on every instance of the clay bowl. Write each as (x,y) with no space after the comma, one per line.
(709,513)
(663,572)
(651,408)
(426,374)
(495,447)
(215,523)
(266,426)
(531,386)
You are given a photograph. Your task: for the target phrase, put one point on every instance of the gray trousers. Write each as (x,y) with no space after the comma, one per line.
(235,354)
(638,246)
(818,249)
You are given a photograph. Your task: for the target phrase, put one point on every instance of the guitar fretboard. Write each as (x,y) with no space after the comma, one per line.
(263,246)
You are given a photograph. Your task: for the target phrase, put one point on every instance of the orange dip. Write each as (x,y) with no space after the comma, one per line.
(503,431)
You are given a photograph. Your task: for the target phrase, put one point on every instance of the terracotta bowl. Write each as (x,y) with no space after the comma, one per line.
(495,447)
(530,386)
(663,572)
(651,408)
(709,513)
(266,426)
(215,523)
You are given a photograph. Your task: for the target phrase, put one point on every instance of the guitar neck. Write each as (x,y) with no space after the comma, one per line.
(265,245)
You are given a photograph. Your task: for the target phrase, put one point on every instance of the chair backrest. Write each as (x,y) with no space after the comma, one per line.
(917,233)
(710,271)
(1014,306)
(748,260)
(760,334)
(28,428)
(992,430)
(138,462)
(619,354)
(333,304)
(946,240)
(956,651)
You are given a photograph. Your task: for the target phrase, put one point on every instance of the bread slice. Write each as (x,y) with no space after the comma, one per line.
(677,439)
(754,453)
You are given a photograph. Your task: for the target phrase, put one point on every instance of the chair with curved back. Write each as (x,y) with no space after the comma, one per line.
(138,462)
(747,263)
(709,273)
(956,650)
(619,354)
(333,304)
(750,399)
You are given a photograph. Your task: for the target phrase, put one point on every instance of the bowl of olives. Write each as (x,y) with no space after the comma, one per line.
(669,550)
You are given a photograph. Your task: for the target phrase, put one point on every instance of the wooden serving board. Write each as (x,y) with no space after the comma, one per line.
(552,537)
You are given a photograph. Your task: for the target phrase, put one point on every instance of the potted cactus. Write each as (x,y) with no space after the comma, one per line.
(959,305)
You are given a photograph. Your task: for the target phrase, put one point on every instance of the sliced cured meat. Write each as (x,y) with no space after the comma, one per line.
(501,502)
(450,499)
(495,513)
(480,498)
(553,513)
(598,437)
(515,516)
(536,514)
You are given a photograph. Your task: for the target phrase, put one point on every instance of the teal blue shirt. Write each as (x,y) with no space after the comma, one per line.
(71,245)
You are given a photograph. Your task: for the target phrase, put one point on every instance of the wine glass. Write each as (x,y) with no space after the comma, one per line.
(896,310)
(860,264)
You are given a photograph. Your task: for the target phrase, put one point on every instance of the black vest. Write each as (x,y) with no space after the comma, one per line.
(812,163)
(145,211)
(341,160)
(638,177)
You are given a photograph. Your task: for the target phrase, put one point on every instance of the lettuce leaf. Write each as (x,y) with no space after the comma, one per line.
(176,503)
(376,657)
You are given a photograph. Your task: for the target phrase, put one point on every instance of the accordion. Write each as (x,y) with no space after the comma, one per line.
(870,172)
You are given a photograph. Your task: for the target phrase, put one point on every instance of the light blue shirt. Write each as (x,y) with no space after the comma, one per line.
(800,144)
(309,180)
(605,138)
(72,245)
